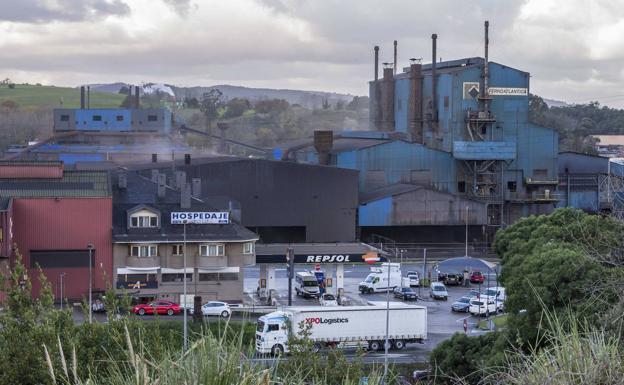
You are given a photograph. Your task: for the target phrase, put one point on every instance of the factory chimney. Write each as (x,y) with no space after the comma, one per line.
(486,70)
(415,101)
(196,187)
(187,159)
(376,62)
(387,99)
(223,127)
(154,158)
(82,97)
(123,180)
(395,57)
(185,196)
(434,85)
(323,144)
(162,185)
(137,101)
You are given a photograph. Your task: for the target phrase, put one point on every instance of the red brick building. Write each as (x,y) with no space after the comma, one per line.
(51,215)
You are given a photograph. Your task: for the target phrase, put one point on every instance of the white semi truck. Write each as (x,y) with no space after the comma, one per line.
(377,280)
(333,326)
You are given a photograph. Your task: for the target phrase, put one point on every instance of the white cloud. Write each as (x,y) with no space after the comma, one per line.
(572,48)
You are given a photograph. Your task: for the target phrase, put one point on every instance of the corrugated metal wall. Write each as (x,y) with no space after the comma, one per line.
(66,224)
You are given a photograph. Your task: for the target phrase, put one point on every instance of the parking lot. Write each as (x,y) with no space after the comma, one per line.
(441,320)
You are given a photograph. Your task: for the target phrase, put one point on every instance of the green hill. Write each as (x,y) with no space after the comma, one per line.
(31,96)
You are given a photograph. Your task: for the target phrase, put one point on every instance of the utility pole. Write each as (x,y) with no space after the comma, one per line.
(290,269)
(185,310)
(387,325)
(90,247)
(465,255)
(62,275)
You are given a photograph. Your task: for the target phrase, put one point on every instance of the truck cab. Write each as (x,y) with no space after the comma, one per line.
(306,285)
(377,280)
(272,334)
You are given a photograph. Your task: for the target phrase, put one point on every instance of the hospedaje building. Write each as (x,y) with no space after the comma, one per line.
(149,246)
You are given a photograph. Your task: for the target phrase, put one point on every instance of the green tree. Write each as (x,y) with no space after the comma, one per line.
(236,107)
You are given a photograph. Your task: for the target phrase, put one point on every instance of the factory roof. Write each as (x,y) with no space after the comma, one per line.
(451,66)
(71,184)
(387,191)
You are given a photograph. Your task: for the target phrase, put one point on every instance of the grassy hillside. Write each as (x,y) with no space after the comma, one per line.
(31,96)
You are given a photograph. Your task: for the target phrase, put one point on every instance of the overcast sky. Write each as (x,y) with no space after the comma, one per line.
(574,49)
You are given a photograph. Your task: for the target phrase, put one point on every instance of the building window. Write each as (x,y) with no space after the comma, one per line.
(213,250)
(216,277)
(167,277)
(119,118)
(144,218)
(511,185)
(64,118)
(248,248)
(152,118)
(177,249)
(461,186)
(136,277)
(97,118)
(144,251)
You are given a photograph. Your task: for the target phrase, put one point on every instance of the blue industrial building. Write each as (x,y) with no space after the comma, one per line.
(118,135)
(451,144)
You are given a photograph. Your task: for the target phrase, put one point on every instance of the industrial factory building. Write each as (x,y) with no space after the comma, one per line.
(149,245)
(56,218)
(452,145)
(116,135)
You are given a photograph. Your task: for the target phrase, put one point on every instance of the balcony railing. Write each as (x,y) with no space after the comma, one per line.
(533,196)
(142,261)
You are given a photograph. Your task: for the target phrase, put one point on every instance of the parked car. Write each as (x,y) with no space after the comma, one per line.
(461,305)
(217,308)
(414,280)
(473,293)
(405,293)
(482,306)
(437,290)
(496,292)
(328,300)
(157,307)
(477,277)
(453,279)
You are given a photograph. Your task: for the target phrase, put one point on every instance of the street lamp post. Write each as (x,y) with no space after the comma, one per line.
(90,247)
(185,310)
(466,232)
(61,275)
(387,325)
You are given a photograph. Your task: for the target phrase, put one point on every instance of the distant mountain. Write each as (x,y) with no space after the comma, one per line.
(311,99)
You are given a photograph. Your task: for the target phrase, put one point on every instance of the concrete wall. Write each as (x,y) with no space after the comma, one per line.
(209,290)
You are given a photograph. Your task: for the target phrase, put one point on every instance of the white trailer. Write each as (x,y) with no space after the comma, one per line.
(333,326)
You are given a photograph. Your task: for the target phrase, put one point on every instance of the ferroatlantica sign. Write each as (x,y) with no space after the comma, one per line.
(200,218)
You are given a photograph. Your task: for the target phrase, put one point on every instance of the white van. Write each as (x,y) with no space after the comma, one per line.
(496,292)
(306,285)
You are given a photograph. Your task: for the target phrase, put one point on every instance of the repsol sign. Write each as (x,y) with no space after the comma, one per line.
(327,321)
(328,258)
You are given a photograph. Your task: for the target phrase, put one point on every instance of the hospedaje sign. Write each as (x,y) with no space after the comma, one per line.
(200,217)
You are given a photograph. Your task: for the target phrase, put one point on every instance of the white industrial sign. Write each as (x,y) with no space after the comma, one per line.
(507,91)
(200,218)
(471,90)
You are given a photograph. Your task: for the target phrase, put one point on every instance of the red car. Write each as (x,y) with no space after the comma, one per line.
(157,307)
(477,277)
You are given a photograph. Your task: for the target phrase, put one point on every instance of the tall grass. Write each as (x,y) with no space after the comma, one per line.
(575,353)
(212,359)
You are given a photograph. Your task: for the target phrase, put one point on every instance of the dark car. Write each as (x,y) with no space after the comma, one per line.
(461,305)
(477,277)
(157,307)
(405,293)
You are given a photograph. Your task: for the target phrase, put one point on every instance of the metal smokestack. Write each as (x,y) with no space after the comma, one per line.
(486,70)
(376,62)
(415,102)
(434,85)
(137,101)
(395,57)
(88,96)
(387,99)
(82,97)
